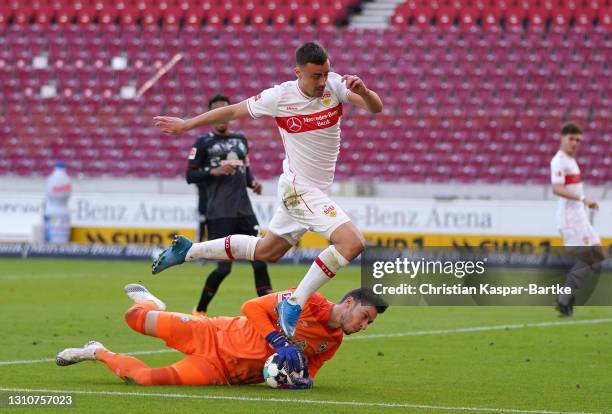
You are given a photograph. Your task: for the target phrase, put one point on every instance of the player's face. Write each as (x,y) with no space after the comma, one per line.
(222,127)
(358,318)
(312,78)
(570,143)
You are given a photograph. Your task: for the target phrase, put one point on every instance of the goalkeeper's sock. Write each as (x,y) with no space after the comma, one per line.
(133,370)
(235,246)
(325,267)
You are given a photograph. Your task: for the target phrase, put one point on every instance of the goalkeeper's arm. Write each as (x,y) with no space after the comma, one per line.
(259,312)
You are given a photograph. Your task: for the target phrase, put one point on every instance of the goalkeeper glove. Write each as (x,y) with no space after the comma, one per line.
(299,384)
(287,352)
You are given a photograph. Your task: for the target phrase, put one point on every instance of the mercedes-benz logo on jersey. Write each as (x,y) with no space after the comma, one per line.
(294,124)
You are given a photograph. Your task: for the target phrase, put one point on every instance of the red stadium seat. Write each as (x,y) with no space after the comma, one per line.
(238,17)
(422,17)
(400,17)
(561,16)
(445,17)
(303,18)
(538,17)
(150,16)
(468,17)
(325,17)
(584,17)
(129,16)
(22,16)
(604,17)
(85,16)
(491,18)
(172,16)
(514,17)
(107,16)
(194,17)
(5,14)
(43,15)
(281,17)
(260,17)
(216,17)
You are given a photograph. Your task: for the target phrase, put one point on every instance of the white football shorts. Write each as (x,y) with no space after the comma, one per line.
(304,208)
(581,234)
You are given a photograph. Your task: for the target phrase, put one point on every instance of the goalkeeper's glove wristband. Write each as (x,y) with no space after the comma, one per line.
(287,352)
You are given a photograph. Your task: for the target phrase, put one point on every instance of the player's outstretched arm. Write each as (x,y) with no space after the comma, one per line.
(172,125)
(361,96)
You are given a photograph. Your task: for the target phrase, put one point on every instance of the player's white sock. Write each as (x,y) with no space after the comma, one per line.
(236,246)
(321,271)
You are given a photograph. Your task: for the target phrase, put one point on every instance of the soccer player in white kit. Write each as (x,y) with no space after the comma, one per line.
(577,232)
(307,112)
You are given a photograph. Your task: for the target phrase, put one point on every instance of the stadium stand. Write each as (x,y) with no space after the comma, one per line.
(473,91)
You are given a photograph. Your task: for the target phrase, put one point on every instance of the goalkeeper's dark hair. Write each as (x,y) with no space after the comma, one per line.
(571,128)
(218,98)
(367,297)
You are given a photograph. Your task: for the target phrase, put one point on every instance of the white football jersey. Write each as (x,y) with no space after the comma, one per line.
(564,170)
(309,128)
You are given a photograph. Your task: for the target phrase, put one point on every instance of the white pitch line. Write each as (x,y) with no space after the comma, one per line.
(294,401)
(385,335)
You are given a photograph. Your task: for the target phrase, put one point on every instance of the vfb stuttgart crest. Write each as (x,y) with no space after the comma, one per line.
(326,99)
(329,211)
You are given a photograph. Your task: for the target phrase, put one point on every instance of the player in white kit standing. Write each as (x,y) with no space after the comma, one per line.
(577,232)
(307,111)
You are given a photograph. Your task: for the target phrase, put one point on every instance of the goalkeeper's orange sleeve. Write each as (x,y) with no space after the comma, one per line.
(260,313)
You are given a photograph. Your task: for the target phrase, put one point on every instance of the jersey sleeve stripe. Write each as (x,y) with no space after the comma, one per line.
(250,110)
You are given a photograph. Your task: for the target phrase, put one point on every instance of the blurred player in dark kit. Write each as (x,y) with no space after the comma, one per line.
(219,166)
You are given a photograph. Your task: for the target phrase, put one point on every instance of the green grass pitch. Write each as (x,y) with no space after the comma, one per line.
(48,305)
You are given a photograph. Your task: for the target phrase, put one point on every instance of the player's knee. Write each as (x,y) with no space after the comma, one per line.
(268,257)
(354,247)
(135,317)
(361,243)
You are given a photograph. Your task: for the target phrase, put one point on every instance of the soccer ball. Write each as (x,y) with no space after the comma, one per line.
(276,375)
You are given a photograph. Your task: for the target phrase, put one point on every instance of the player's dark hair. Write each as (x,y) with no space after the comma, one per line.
(218,98)
(310,52)
(571,128)
(367,297)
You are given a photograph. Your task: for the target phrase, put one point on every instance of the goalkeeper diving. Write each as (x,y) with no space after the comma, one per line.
(232,350)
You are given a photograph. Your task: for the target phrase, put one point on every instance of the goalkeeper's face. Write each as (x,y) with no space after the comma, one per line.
(357,317)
